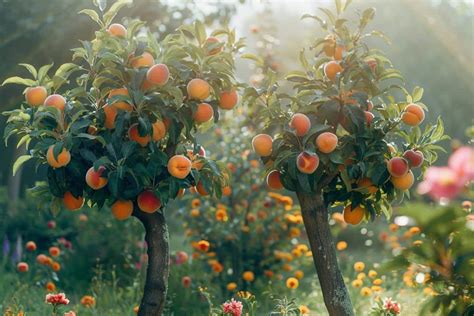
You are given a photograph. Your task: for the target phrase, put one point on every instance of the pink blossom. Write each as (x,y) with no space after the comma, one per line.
(56,299)
(232,307)
(462,162)
(391,306)
(70,313)
(181,257)
(441,182)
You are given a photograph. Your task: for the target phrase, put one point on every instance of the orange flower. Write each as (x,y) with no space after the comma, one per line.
(221,215)
(88,301)
(341,245)
(299,274)
(135,309)
(248,276)
(359,266)
(231,286)
(195,203)
(55,266)
(217,267)
(195,212)
(54,251)
(304,310)
(292,283)
(50,287)
(203,245)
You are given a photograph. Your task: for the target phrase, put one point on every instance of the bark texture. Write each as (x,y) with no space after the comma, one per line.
(315,217)
(156,283)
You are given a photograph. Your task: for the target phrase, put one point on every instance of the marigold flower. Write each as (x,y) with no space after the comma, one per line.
(341,245)
(232,307)
(217,267)
(56,299)
(203,245)
(376,288)
(221,215)
(361,276)
(88,301)
(372,274)
(357,283)
(195,203)
(299,274)
(393,227)
(50,287)
(292,283)
(231,286)
(54,251)
(248,276)
(56,266)
(31,246)
(22,267)
(359,266)
(195,212)
(365,291)
(414,230)
(377,282)
(304,310)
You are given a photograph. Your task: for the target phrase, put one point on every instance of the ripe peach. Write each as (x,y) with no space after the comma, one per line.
(62,160)
(338,52)
(31,246)
(35,96)
(92,130)
(159,130)
(201,189)
(22,267)
(204,113)
(134,135)
(117,29)
(274,181)
(122,105)
(158,74)
(353,216)
(122,209)
(94,178)
(300,123)
(209,41)
(198,89)
(144,60)
(179,166)
(228,99)
(366,183)
(326,142)
(397,166)
(404,182)
(331,69)
(57,101)
(71,202)
(307,162)
(413,115)
(369,117)
(110,116)
(148,202)
(414,157)
(329,45)
(262,145)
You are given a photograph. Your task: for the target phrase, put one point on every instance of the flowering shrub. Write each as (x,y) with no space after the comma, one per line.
(386,307)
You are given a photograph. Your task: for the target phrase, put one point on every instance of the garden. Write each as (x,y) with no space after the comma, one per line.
(236,158)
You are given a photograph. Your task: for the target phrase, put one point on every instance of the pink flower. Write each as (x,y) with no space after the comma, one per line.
(232,307)
(462,162)
(441,182)
(391,306)
(70,313)
(181,257)
(56,299)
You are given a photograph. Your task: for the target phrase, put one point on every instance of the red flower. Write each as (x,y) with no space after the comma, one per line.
(56,299)
(232,307)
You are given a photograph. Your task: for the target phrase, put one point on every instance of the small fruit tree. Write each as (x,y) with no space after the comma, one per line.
(349,137)
(117,126)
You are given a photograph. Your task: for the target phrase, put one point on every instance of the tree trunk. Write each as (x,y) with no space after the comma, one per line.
(316,222)
(156,283)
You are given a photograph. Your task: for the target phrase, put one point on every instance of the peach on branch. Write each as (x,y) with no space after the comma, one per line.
(307,162)
(148,202)
(210,41)
(35,96)
(144,60)
(122,209)
(369,117)
(179,166)
(198,89)
(403,182)
(117,29)
(110,115)
(72,202)
(262,144)
(329,45)
(134,135)
(366,183)
(204,113)
(413,115)
(201,189)
(228,99)
(159,130)
(57,101)
(331,69)
(414,157)
(122,105)
(274,180)
(338,52)
(300,123)
(61,160)
(94,178)
(397,166)
(326,142)
(158,74)
(353,216)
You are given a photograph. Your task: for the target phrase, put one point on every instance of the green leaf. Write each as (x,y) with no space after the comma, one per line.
(200,31)
(19,80)
(303,60)
(417,94)
(43,71)
(20,161)
(93,15)
(31,69)
(112,12)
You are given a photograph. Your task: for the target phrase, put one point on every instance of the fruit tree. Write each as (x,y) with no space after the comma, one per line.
(117,125)
(349,137)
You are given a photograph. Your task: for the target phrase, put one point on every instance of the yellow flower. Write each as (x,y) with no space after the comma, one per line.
(231,286)
(203,245)
(365,291)
(417,243)
(294,232)
(304,310)
(292,283)
(361,276)
(393,227)
(377,282)
(341,245)
(359,266)
(372,274)
(299,274)
(414,230)
(376,288)
(357,283)
(244,294)
(195,212)
(248,276)
(221,215)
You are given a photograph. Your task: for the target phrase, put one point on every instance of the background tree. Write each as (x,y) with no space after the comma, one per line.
(121,131)
(345,138)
